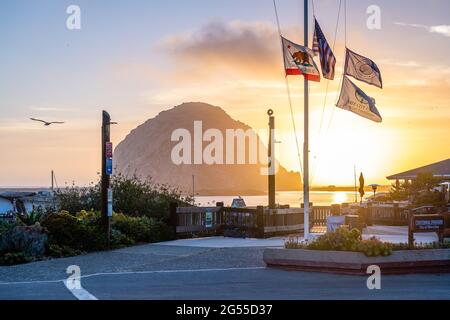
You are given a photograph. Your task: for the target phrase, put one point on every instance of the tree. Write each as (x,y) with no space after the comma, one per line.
(400,191)
(424,182)
(131,196)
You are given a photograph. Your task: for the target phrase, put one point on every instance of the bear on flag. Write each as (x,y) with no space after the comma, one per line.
(298,60)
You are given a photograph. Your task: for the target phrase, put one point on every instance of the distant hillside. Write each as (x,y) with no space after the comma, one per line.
(146,152)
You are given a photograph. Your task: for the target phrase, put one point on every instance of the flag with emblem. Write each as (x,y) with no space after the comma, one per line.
(321,48)
(298,60)
(362,68)
(355,100)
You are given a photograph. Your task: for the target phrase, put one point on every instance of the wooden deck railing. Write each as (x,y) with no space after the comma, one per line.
(387,214)
(261,221)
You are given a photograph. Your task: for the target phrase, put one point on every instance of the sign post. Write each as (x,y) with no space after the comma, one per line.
(425,223)
(107,163)
(208,219)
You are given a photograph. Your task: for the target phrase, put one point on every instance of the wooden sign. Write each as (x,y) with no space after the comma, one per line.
(422,223)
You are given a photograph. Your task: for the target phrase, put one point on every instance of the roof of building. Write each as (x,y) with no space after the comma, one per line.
(438,169)
(16,194)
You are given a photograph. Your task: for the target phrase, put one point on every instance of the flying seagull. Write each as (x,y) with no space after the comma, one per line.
(46,123)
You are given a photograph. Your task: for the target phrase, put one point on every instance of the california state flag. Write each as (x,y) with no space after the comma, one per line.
(298,60)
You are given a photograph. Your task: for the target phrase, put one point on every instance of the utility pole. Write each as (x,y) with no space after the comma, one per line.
(356,193)
(106,192)
(53,179)
(306,135)
(271,157)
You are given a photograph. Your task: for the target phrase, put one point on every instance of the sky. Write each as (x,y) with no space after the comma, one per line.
(137,58)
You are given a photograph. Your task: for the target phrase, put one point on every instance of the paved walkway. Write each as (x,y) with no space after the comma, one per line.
(212,268)
(384,233)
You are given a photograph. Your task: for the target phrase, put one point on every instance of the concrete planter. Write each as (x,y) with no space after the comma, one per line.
(400,262)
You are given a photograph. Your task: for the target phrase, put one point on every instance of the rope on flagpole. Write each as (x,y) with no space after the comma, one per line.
(317,162)
(289,97)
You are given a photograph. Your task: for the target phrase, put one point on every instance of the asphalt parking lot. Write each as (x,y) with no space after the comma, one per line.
(174,272)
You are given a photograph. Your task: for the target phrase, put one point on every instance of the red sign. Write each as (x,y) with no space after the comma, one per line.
(109,150)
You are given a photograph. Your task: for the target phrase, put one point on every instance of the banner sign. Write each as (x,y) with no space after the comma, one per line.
(109,166)
(109,150)
(208,219)
(110,202)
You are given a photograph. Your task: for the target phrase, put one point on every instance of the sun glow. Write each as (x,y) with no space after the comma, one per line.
(340,197)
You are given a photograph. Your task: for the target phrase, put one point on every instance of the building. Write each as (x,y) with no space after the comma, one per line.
(23,202)
(439,169)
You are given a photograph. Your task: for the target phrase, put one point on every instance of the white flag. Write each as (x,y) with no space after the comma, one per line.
(355,100)
(362,68)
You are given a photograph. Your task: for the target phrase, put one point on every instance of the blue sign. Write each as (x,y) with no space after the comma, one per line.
(208,219)
(109,166)
(110,202)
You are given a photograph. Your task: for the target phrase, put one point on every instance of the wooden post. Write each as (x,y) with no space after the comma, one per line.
(396,214)
(173,216)
(369,217)
(410,230)
(106,122)
(271,157)
(221,213)
(260,220)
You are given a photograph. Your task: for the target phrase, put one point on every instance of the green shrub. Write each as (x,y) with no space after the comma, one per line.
(30,240)
(13,258)
(131,195)
(141,229)
(119,240)
(344,240)
(340,240)
(66,230)
(374,248)
(36,216)
(5,226)
(57,251)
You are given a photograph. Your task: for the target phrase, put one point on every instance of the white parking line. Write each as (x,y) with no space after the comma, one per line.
(82,294)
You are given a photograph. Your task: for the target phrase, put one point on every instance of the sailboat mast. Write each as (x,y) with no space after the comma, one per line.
(306,136)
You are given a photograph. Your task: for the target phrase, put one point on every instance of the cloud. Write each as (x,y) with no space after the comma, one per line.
(220,49)
(398,63)
(50,109)
(439,29)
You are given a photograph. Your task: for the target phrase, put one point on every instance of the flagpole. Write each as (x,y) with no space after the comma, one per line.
(306,136)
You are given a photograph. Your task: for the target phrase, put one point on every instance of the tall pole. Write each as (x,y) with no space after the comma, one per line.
(105,192)
(356,193)
(193,189)
(306,136)
(271,162)
(53,179)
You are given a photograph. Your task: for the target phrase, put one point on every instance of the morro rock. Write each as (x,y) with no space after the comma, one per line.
(146,152)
